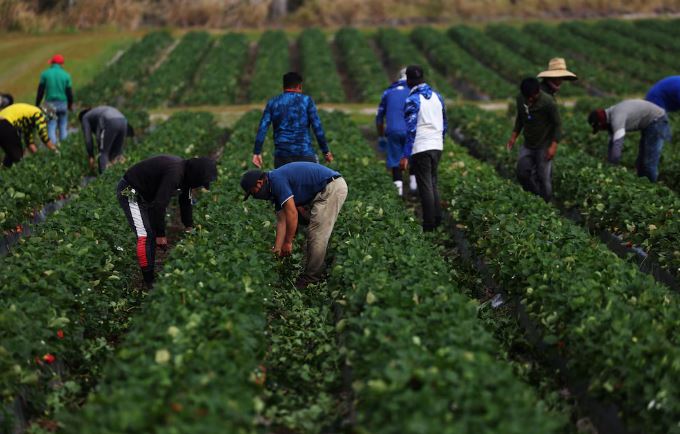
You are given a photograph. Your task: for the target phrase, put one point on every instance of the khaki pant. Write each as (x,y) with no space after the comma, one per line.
(325,209)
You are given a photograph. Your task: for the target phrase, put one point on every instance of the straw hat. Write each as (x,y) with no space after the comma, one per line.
(557,68)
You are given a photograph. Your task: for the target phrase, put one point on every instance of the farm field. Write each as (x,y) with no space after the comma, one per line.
(515,316)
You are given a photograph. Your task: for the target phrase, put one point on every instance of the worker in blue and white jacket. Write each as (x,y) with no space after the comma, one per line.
(391,111)
(426,128)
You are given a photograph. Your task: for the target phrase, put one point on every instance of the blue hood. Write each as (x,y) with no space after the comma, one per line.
(422,89)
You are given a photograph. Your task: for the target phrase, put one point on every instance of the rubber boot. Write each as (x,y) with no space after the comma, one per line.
(400,187)
(412,184)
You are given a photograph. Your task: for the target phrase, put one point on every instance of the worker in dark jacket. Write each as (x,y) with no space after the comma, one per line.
(539,119)
(144,194)
(57,89)
(292,114)
(110,128)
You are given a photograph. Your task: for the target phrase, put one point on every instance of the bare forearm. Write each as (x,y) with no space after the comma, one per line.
(291,225)
(280,230)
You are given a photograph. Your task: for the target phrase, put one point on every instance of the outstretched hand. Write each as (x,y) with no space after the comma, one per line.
(328,156)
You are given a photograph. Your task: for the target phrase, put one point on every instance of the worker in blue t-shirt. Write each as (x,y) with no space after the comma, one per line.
(666,93)
(292,114)
(293,185)
(391,109)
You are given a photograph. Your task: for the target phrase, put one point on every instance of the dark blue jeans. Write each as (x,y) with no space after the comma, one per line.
(651,145)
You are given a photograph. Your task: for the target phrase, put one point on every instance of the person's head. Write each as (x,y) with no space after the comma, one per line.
(200,172)
(292,81)
(6,100)
(554,82)
(57,59)
(598,120)
(255,183)
(414,75)
(401,75)
(530,89)
(82,113)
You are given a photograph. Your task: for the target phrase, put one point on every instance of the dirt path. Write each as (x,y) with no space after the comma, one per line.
(351,93)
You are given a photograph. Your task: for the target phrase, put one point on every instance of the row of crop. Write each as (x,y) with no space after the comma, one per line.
(453,61)
(174,75)
(47,176)
(363,67)
(273,60)
(318,68)
(496,56)
(540,53)
(609,198)
(574,47)
(113,84)
(188,363)
(652,38)
(219,77)
(400,52)
(657,63)
(612,324)
(420,357)
(67,291)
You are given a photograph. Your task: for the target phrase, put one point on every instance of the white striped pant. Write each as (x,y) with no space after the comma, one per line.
(138,218)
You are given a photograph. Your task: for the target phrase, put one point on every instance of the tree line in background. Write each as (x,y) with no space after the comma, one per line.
(38,15)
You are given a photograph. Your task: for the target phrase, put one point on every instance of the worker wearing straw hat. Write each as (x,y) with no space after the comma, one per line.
(553,77)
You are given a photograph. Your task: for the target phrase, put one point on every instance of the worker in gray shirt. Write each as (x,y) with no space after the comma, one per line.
(635,115)
(110,128)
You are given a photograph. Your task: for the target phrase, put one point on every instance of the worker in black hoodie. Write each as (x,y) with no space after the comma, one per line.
(144,194)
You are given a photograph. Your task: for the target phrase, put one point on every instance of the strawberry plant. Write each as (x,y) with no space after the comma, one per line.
(453,61)
(605,317)
(420,358)
(363,67)
(608,197)
(171,78)
(218,78)
(623,72)
(273,60)
(322,81)
(507,63)
(117,81)
(75,275)
(539,54)
(400,52)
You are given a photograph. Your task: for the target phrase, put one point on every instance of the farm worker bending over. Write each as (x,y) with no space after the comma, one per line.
(634,115)
(110,127)
(426,127)
(145,191)
(292,114)
(56,87)
(666,94)
(294,184)
(391,109)
(553,77)
(539,118)
(20,122)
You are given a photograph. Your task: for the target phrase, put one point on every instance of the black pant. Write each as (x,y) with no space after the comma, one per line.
(10,142)
(138,217)
(534,172)
(425,166)
(280,161)
(111,141)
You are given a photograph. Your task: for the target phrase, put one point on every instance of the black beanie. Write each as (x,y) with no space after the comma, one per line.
(200,172)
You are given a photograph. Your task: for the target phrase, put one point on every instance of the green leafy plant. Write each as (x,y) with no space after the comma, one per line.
(363,67)
(322,81)
(273,60)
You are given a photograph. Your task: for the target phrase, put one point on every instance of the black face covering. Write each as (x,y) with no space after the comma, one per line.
(200,172)
(264,193)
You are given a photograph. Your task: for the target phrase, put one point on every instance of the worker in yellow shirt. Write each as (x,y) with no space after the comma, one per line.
(19,122)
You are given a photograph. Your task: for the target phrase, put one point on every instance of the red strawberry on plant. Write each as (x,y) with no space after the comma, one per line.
(60,334)
(49,358)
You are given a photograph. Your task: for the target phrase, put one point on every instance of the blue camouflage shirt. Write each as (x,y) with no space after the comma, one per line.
(292,114)
(391,107)
(411,110)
